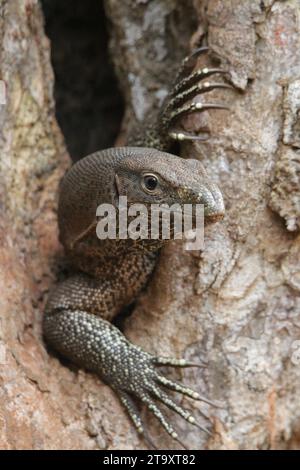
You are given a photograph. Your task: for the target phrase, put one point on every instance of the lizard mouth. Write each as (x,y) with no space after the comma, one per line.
(214,205)
(212,218)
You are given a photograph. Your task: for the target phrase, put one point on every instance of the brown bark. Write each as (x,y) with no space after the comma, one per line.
(236,304)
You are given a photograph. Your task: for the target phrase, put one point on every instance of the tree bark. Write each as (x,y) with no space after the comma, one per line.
(236,304)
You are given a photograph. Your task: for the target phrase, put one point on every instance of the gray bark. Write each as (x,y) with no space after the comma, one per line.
(236,304)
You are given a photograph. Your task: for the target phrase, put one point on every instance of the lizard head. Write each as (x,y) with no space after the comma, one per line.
(144,175)
(149,176)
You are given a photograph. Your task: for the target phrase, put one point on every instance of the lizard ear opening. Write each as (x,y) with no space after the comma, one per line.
(121,185)
(117,185)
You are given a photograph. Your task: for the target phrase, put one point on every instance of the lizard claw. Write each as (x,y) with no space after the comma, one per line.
(193,91)
(195,77)
(189,61)
(181,136)
(140,379)
(185,89)
(169,361)
(194,107)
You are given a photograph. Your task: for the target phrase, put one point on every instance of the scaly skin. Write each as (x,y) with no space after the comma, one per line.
(109,274)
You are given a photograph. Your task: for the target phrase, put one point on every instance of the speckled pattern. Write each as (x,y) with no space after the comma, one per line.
(111,273)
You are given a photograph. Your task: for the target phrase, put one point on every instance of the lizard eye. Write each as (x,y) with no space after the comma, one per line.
(149,182)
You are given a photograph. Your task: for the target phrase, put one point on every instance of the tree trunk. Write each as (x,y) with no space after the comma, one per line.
(236,304)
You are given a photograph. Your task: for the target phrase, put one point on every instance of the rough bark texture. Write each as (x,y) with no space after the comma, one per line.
(236,304)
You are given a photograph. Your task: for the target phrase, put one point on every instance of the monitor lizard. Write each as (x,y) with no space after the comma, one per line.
(109,274)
